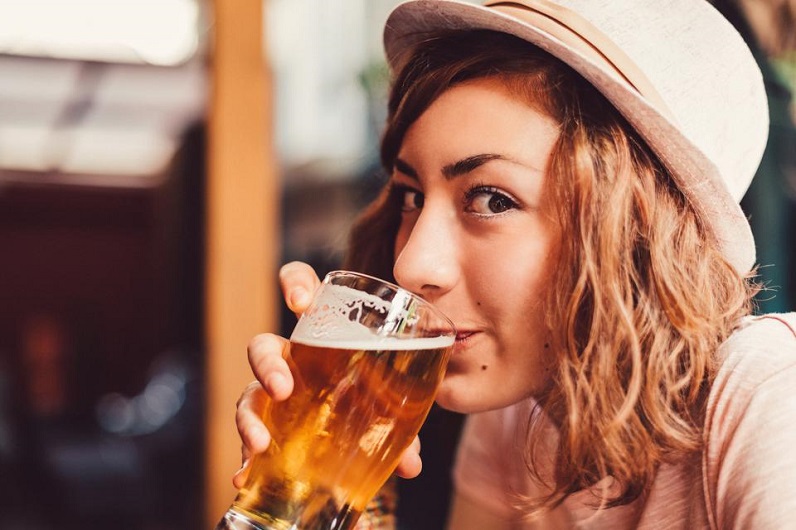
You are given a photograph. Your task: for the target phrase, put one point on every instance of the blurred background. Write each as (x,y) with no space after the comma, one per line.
(158,161)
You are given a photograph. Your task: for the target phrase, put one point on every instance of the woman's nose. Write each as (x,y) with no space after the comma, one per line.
(428,262)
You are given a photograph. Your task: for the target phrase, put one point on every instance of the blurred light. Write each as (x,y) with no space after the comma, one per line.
(86,150)
(95,124)
(158,32)
(115,413)
(39,81)
(161,400)
(145,413)
(109,151)
(24,146)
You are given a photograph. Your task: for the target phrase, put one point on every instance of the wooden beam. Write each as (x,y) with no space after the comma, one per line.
(242,217)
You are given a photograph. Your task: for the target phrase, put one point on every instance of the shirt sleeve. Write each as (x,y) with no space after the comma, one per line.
(750,464)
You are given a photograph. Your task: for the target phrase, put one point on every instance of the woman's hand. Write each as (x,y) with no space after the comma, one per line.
(267,354)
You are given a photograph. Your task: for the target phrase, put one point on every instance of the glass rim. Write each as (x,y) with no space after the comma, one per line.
(434,309)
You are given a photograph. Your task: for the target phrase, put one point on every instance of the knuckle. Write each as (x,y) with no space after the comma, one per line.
(265,346)
(251,388)
(259,343)
(245,424)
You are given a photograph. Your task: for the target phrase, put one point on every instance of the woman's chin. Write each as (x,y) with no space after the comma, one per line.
(468,394)
(455,394)
(448,399)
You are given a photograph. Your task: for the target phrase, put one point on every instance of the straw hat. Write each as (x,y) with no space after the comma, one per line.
(676,69)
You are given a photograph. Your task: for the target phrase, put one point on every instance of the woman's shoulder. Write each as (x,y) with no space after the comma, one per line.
(750,426)
(757,362)
(761,348)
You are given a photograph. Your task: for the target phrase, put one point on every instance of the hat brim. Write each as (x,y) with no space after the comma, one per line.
(695,175)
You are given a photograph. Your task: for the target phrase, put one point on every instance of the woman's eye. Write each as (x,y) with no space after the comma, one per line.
(408,198)
(488,201)
(412,200)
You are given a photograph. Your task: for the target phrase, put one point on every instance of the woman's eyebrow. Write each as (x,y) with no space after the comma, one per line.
(451,171)
(402,167)
(466,165)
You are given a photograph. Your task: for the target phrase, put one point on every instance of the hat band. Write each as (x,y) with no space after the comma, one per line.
(583,37)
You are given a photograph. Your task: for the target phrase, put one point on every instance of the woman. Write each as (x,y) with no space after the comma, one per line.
(564,185)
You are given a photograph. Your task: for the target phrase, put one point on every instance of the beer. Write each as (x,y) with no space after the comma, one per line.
(367,358)
(336,440)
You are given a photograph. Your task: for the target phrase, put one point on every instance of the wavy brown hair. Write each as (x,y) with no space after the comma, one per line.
(641,297)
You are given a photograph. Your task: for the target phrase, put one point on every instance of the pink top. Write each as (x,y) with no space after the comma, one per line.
(745,478)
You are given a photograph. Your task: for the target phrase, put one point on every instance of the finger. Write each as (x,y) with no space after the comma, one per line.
(239,479)
(410,464)
(415,445)
(248,420)
(267,354)
(245,455)
(298,281)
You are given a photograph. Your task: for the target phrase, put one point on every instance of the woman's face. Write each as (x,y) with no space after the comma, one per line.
(477,237)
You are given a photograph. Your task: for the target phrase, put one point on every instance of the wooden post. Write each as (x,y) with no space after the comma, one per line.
(242,244)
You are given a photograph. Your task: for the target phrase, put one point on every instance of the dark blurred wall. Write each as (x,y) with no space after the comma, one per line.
(101,350)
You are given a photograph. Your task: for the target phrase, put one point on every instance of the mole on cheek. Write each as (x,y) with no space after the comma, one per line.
(483,367)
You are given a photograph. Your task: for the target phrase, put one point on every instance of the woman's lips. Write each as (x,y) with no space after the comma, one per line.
(462,337)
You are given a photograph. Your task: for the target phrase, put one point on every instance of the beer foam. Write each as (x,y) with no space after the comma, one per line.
(380,343)
(334,319)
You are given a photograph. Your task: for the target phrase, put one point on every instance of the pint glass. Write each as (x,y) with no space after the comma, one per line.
(367,358)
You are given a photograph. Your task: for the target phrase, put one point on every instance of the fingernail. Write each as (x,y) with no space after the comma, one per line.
(243,466)
(276,384)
